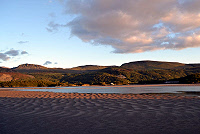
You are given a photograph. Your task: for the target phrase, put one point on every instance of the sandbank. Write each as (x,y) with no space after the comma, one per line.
(28,112)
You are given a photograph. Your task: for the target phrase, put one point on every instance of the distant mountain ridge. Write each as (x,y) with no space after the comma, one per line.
(89,67)
(136,65)
(32,68)
(140,72)
(151,65)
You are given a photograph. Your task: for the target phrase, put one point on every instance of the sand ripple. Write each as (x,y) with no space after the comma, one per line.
(35,113)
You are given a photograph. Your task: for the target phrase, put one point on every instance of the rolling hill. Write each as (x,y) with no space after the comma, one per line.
(128,73)
(89,67)
(150,65)
(4,69)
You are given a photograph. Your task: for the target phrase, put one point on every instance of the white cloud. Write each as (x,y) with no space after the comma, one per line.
(131,26)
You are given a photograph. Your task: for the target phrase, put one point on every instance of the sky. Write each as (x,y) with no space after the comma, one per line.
(70,33)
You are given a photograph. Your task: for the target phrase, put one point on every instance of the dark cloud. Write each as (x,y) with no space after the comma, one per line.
(12,52)
(22,42)
(47,63)
(131,26)
(24,52)
(4,57)
(56,63)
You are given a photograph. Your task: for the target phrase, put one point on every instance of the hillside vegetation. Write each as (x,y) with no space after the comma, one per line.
(9,76)
(89,67)
(151,65)
(140,72)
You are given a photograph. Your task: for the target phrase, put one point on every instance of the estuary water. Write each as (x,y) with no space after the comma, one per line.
(124,89)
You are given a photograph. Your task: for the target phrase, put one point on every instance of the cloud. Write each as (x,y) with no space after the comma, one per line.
(24,52)
(49,30)
(47,63)
(22,42)
(12,52)
(131,26)
(4,57)
(52,26)
(50,63)
(52,15)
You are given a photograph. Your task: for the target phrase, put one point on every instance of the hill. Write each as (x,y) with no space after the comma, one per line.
(193,65)
(8,76)
(30,66)
(4,69)
(89,67)
(151,65)
(128,73)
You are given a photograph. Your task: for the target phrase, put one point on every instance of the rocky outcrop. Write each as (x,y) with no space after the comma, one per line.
(30,66)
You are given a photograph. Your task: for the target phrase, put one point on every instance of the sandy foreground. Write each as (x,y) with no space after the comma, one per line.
(28,112)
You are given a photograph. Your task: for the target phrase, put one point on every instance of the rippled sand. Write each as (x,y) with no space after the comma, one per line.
(25,112)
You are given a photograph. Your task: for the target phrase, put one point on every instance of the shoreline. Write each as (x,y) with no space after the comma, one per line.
(39,94)
(135,85)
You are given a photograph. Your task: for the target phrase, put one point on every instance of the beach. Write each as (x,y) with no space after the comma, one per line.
(28,112)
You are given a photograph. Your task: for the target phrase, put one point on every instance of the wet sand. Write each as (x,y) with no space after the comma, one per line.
(26,112)
(134,85)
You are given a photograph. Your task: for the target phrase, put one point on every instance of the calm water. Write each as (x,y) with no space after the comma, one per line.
(119,89)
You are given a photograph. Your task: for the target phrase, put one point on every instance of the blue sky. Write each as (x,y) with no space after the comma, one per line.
(69,33)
